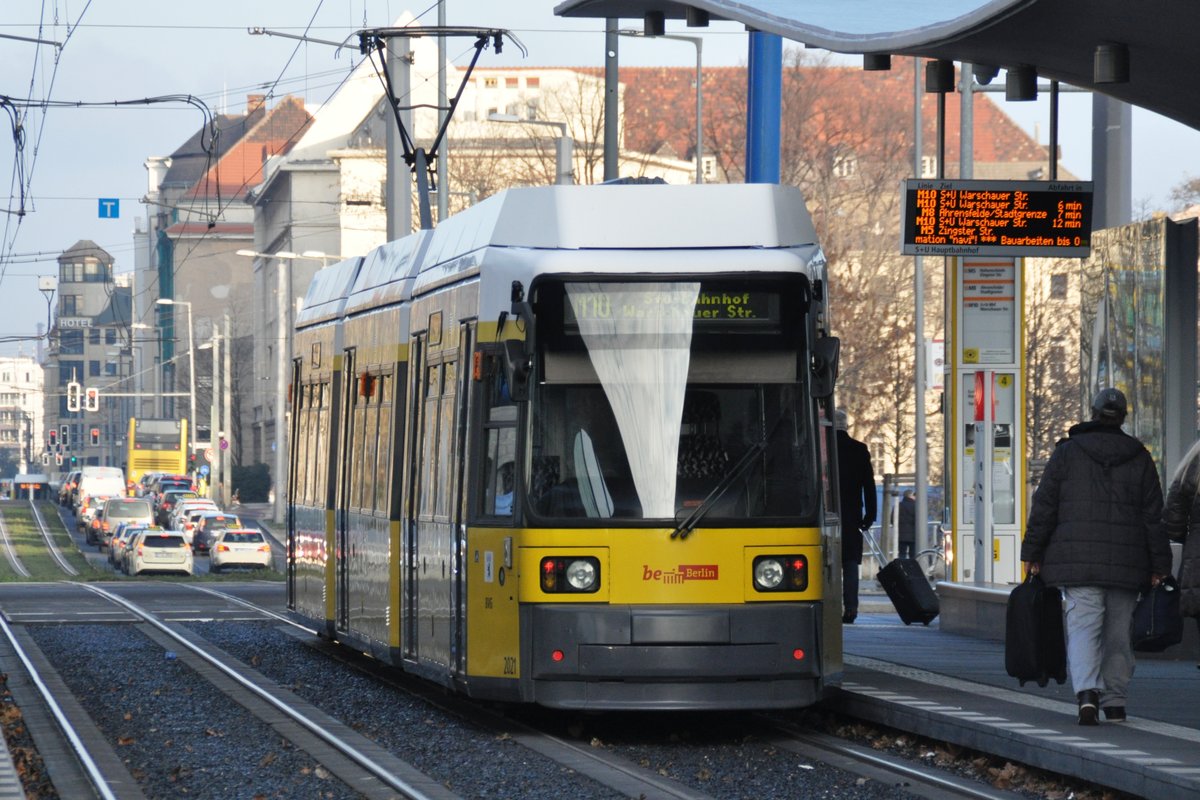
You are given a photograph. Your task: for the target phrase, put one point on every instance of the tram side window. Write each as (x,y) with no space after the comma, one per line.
(319,429)
(429,442)
(304,454)
(297,454)
(383,439)
(370,442)
(355,456)
(500,443)
(446,406)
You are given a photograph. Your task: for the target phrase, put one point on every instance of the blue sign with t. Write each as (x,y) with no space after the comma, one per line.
(110,207)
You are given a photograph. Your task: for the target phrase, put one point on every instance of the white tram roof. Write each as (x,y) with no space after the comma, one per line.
(628,217)
(388,271)
(327,293)
(607,217)
(32,477)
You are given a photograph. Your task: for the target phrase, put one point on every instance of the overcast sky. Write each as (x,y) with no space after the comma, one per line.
(116,50)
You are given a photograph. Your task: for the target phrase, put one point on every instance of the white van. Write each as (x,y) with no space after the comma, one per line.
(101,482)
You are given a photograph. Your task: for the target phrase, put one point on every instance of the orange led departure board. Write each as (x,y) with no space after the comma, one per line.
(1001,218)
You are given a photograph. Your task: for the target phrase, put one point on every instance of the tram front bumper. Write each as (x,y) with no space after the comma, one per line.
(651,643)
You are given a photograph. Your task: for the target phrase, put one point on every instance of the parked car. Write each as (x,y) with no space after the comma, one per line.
(207,524)
(159,551)
(235,547)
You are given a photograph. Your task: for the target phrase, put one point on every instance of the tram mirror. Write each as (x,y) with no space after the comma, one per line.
(824,365)
(517,365)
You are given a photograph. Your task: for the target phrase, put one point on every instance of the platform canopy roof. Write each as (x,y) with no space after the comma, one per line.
(1059,38)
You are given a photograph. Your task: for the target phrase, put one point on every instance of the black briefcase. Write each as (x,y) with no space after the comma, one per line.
(1035,647)
(1157,623)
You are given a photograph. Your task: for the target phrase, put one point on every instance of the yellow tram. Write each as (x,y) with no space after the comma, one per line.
(572,447)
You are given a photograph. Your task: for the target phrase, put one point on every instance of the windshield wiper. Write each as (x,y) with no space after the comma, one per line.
(693,519)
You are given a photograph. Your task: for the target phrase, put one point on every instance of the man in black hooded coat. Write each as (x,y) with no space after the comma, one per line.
(1095,531)
(856,493)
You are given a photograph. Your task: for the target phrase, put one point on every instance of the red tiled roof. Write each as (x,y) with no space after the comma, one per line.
(846,104)
(240,168)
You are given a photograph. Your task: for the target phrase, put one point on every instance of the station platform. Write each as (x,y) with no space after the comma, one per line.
(954,688)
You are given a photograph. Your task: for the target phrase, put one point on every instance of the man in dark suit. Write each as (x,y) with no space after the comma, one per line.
(856,490)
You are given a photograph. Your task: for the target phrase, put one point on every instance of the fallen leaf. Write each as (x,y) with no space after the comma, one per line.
(125,741)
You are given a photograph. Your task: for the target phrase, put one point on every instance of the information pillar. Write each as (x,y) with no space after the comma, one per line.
(986,406)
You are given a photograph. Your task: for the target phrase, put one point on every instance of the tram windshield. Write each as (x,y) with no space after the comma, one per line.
(654,399)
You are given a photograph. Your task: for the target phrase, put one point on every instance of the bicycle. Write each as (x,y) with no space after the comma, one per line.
(933,559)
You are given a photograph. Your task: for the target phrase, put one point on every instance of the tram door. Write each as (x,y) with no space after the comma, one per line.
(436,500)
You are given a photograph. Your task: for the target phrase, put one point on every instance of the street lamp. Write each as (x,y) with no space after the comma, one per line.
(564,145)
(699,43)
(166,301)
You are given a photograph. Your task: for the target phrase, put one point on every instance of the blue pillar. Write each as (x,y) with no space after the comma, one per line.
(763,107)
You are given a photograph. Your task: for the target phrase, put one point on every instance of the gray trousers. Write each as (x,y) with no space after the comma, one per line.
(1099,650)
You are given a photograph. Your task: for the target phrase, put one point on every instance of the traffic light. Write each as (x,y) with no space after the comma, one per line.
(53,438)
(74,460)
(58,459)
(95,436)
(64,434)
(91,399)
(73,394)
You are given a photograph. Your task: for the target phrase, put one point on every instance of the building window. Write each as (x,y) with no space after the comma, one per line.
(93,336)
(94,368)
(490,83)
(533,82)
(110,368)
(68,305)
(510,83)
(70,343)
(845,166)
(69,371)
(1058,286)
(110,335)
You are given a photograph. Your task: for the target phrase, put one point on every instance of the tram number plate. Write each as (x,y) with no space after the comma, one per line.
(510,665)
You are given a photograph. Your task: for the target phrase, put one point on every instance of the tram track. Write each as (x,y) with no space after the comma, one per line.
(631,779)
(48,538)
(346,754)
(10,552)
(461,747)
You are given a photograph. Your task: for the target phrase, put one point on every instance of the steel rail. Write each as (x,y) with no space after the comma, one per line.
(804,742)
(9,552)
(54,551)
(360,758)
(85,759)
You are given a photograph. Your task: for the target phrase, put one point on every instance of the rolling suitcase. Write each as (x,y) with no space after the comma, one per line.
(909,591)
(1034,646)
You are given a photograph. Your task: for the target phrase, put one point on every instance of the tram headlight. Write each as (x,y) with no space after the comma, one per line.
(768,573)
(782,573)
(570,574)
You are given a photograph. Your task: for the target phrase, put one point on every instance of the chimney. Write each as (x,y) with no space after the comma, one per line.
(256,107)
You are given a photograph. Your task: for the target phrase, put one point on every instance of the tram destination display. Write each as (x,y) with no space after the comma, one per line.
(1003,218)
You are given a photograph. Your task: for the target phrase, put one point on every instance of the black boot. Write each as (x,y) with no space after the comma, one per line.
(1089,702)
